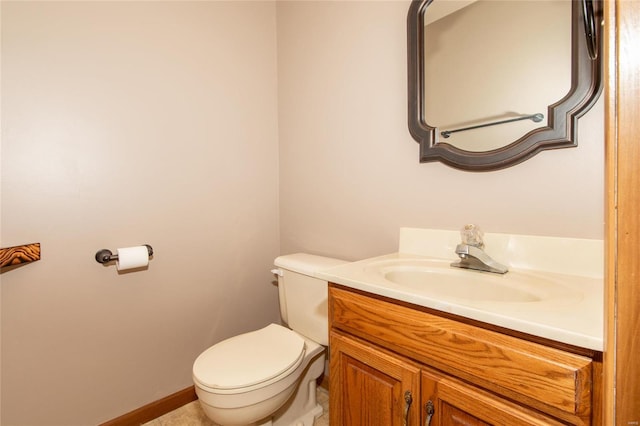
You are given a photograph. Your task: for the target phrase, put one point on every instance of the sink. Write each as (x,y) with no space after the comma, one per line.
(448,285)
(437,279)
(553,289)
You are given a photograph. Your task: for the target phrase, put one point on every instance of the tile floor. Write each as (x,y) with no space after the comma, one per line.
(192,415)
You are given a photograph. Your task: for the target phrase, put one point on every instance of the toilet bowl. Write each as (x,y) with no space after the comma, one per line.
(268,376)
(247,378)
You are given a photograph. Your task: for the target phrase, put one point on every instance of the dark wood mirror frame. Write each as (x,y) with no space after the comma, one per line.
(561,128)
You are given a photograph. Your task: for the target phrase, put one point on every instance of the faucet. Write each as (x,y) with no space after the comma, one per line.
(472,255)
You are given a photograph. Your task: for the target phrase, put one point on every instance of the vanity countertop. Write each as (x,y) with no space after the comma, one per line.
(574,318)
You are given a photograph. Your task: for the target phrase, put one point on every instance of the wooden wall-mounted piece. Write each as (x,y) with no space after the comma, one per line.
(19,254)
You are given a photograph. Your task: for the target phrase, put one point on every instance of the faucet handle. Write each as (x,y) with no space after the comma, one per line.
(472,235)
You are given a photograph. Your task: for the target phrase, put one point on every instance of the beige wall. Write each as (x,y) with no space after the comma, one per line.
(349,169)
(126,123)
(158,122)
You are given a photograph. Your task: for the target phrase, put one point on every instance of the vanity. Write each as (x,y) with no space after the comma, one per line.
(414,342)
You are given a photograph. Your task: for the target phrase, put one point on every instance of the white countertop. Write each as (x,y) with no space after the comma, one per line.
(575,317)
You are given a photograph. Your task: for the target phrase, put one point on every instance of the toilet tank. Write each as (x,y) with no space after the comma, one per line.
(303,296)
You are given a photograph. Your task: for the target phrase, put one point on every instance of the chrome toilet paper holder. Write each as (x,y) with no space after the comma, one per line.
(105,255)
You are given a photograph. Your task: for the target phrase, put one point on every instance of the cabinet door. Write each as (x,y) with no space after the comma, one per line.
(371,387)
(447,401)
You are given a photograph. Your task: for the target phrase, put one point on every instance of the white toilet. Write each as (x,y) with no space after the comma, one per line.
(268,376)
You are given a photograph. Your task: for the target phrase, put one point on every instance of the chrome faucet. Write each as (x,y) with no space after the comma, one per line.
(472,255)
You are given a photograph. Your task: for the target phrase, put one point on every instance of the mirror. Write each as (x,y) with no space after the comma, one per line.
(492,83)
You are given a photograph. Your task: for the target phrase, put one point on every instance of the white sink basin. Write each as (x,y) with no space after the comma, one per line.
(556,303)
(437,279)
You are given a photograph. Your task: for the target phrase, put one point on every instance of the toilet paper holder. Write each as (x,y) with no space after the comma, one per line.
(105,255)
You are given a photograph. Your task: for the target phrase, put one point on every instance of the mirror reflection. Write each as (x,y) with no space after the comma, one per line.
(489,62)
(493,83)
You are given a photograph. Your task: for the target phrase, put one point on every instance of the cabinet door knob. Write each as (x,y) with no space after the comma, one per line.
(430,409)
(408,399)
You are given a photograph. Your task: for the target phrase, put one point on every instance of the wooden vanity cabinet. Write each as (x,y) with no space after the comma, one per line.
(392,363)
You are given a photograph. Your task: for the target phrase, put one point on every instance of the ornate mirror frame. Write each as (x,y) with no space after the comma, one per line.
(561,128)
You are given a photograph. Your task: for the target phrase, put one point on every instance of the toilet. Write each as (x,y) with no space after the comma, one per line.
(268,376)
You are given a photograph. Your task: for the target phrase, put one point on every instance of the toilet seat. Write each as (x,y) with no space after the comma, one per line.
(249,361)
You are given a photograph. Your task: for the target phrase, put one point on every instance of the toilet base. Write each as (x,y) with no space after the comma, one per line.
(307,419)
(303,408)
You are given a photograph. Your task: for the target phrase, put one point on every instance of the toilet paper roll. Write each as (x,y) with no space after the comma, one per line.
(132,257)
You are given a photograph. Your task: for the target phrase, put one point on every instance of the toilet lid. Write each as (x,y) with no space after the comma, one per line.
(250,358)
